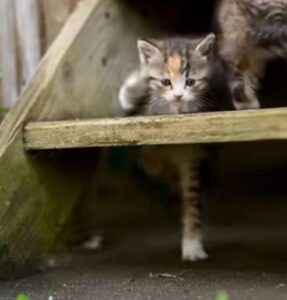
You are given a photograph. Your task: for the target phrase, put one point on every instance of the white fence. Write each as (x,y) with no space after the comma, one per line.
(27,27)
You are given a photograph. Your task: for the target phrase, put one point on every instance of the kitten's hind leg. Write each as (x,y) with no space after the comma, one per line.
(192,248)
(243,89)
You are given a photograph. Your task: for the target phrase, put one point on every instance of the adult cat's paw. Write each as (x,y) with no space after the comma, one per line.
(241,100)
(192,250)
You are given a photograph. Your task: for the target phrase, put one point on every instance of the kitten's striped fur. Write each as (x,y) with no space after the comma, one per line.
(251,32)
(183,161)
(144,93)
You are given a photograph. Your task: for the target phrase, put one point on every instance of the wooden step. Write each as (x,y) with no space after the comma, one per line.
(235,126)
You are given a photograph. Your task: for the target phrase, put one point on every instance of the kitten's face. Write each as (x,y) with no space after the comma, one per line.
(178,72)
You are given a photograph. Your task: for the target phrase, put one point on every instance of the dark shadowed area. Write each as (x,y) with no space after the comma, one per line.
(245,211)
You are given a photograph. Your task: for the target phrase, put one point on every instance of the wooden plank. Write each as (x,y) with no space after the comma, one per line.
(269,124)
(55,15)
(29,37)
(34,101)
(8,53)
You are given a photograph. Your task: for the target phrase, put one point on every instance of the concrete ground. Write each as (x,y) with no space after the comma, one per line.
(245,238)
(248,263)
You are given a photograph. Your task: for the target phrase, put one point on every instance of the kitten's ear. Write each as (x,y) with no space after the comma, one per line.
(147,51)
(206,46)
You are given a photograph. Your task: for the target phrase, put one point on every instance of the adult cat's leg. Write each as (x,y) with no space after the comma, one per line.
(243,86)
(192,248)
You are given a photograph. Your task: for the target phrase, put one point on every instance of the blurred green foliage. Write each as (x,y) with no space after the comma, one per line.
(222,295)
(22,297)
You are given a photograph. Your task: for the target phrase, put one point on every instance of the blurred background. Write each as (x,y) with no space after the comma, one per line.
(27,29)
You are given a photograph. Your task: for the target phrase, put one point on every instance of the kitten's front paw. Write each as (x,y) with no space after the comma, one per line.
(134,91)
(126,102)
(192,250)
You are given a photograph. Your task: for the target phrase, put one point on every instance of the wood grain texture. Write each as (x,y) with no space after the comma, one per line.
(35,102)
(269,124)
(8,53)
(85,64)
(29,37)
(55,14)
(37,193)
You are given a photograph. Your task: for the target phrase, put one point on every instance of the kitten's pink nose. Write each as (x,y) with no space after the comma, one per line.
(178,97)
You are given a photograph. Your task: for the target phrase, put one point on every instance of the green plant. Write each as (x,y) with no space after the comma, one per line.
(222,296)
(22,297)
(4,110)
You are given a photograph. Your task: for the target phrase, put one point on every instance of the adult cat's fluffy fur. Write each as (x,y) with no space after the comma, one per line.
(251,32)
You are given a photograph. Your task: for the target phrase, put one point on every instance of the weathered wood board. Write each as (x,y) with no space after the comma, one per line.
(233,126)
(8,57)
(37,193)
(55,14)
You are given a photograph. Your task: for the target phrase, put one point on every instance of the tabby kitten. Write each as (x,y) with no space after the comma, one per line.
(251,32)
(174,77)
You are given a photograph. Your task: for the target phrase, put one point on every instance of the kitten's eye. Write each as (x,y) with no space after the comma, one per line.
(165,82)
(190,82)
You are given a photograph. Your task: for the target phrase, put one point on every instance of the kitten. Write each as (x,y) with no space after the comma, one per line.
(251,32)
(175,76)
